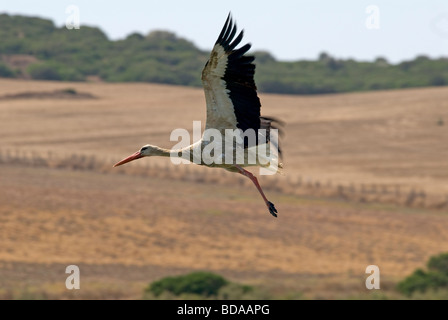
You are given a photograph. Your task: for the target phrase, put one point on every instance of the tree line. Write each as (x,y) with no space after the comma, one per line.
(163,57)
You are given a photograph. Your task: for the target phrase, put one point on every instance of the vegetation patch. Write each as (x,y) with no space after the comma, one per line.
(163,57)
(68,93)
(201,285)
(434,279)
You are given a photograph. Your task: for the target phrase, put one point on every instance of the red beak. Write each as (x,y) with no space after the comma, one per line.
(132,157)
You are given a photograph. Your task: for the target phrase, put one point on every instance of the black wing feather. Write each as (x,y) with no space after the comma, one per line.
(239,78)
(240,83)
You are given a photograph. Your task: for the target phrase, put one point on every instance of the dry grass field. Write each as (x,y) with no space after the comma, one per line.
(125,230)
(386,138)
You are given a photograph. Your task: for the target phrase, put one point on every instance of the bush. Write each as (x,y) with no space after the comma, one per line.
(70,91)
(53,71)
(422,281)
(6,72)
(438,81)
(43,71)
(199,283)
(439,263)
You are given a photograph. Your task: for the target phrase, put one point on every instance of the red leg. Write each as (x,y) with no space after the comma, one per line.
(248,174)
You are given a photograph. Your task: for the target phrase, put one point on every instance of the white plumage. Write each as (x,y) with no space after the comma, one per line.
(232,104)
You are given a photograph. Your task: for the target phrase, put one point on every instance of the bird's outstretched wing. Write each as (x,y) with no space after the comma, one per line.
(228,80)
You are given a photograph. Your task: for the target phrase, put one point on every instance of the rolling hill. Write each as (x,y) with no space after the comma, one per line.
(35,48)
(61,203)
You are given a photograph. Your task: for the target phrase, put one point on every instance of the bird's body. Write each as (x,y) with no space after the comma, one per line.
(233,113)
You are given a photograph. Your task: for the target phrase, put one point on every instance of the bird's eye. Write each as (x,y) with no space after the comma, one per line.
(143,149)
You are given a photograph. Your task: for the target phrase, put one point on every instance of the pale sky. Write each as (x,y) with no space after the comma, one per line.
(289,29)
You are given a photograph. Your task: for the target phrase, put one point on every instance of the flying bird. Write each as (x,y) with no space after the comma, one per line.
(232,103)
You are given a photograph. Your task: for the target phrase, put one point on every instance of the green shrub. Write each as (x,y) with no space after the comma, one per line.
(53,71)
(70,91)
(6,72)
(439,263)
(432,280)
(44,71)
(199,283)
(438,80)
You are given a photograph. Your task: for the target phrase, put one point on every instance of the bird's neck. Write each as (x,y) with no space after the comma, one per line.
(176,153)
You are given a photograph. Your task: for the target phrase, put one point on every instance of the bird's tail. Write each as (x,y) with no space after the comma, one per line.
(270,123)
(269,160)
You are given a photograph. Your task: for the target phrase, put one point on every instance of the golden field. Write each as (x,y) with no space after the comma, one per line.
(125,229)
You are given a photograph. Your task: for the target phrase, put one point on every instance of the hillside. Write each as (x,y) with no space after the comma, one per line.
(36,48)
(124,231)
(351,163)
(386,143)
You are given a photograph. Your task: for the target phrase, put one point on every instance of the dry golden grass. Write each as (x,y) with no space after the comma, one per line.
(386,138)
(124,230)
(121,222)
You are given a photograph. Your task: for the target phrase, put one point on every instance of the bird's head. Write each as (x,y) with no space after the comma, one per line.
(145,151)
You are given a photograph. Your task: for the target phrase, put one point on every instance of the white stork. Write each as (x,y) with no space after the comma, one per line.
(232,103)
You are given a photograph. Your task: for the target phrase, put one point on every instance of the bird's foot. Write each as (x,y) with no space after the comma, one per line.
(272,209)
